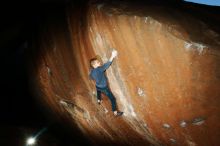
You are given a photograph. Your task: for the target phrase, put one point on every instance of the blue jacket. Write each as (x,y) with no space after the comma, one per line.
(98,74)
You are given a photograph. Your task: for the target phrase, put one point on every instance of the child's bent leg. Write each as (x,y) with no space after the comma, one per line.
(98,94)
(111,97)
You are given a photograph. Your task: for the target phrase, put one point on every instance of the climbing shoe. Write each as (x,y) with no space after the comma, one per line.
(99,102)
(118,114)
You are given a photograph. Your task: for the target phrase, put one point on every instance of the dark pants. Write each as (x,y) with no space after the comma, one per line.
(108,93)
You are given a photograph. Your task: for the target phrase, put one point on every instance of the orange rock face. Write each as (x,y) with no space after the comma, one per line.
(166,77)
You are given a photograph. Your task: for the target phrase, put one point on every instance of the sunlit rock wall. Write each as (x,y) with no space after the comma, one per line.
(166,77)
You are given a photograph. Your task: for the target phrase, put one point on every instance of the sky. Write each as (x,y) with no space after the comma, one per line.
(207,2)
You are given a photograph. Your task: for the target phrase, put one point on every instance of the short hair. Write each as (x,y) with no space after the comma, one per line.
(92,61)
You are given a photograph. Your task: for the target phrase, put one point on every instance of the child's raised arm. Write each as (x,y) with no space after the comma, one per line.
(107,64)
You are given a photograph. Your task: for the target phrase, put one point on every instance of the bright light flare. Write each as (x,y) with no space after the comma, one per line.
(31,141)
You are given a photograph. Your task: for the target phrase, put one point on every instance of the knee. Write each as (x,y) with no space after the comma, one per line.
(113,98)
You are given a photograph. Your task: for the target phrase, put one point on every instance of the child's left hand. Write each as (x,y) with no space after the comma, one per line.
(114,53)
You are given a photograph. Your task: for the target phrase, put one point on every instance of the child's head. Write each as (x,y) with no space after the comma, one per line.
(95,63)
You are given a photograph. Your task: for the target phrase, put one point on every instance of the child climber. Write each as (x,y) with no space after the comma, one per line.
(98,75)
